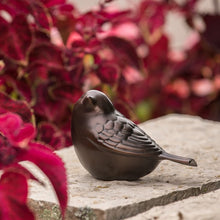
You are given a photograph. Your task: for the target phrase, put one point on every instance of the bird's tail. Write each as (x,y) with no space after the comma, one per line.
(178,159)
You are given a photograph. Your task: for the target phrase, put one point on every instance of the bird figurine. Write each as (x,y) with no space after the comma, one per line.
(110,146)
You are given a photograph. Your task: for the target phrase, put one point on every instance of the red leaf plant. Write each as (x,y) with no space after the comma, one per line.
(13,198)
(50,54)
(17,144)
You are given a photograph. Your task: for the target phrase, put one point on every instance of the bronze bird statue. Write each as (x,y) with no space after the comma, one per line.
(110,146)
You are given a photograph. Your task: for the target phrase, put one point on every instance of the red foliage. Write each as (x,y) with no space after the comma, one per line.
(13,198)
(50,54)
(17,144)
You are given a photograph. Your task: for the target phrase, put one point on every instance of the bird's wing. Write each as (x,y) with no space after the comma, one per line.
(123,136)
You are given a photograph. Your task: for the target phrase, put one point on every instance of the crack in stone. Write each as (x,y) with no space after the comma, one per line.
(134,209)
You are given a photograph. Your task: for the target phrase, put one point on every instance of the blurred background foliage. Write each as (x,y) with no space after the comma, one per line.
(51,53)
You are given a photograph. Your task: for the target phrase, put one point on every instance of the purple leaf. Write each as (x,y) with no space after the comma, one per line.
(212,33)
(124,50)
(13,196)
(50,134)
(53,168)
(15,38)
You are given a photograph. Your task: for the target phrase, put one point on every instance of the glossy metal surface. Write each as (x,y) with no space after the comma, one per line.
(110,146)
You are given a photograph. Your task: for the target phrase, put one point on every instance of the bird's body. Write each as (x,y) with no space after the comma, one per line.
(110,146)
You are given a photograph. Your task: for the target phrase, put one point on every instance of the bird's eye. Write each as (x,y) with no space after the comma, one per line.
(89,103)
(94,102)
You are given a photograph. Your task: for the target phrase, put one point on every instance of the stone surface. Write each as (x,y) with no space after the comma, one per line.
(170,182)
(203,207)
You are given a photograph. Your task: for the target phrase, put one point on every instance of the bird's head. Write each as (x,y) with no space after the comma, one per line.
(95,101)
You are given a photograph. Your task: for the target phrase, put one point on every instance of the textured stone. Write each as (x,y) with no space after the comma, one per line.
(94,199)
(203,207)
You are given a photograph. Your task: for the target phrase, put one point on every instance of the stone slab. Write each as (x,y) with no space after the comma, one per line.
(203,207)
(170,182)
